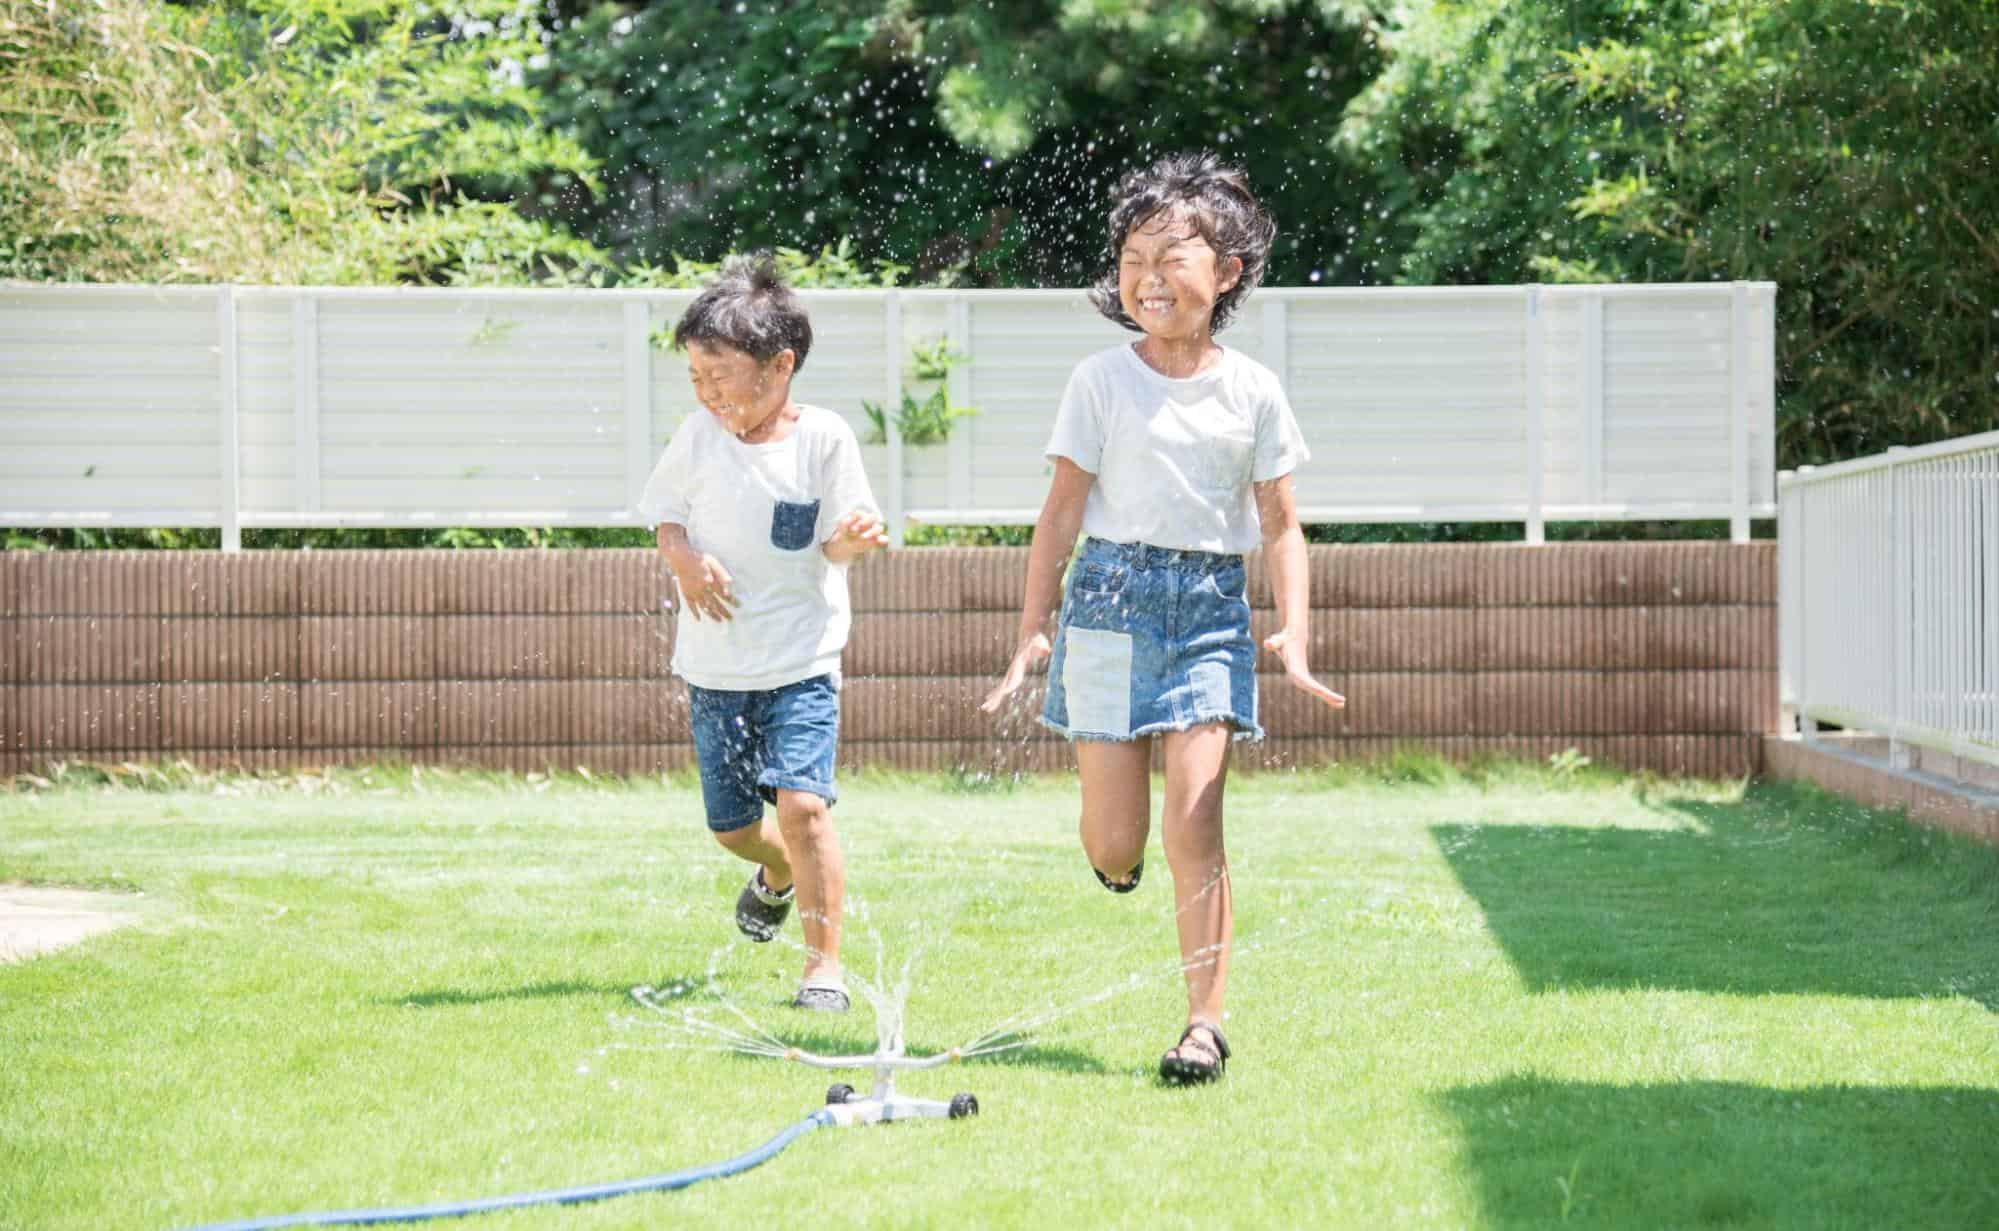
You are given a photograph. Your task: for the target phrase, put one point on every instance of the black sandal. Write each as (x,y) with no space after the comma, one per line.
(1175,1067)
(1137,870)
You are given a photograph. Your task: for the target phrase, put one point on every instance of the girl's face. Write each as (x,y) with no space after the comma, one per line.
(735,387)
(1169,277)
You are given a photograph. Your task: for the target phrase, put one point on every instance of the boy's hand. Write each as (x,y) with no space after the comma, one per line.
(1290,650)
(1031,651)
(706,587)
(857,534)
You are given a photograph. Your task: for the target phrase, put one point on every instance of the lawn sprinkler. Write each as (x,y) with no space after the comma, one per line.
(882,1104)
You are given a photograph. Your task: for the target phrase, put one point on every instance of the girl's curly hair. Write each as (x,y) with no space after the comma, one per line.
(748,306)
(1215,198)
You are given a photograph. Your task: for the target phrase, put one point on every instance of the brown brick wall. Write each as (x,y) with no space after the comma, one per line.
(1657,656)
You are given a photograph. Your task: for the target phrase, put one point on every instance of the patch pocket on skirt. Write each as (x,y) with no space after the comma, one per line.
(792,523)
(1096,679)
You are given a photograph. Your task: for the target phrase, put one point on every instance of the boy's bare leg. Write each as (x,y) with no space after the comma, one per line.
(1117,803)
(821,872)
(760,842)
(1197,765)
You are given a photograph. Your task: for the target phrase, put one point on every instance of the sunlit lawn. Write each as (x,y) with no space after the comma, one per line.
(1515,998)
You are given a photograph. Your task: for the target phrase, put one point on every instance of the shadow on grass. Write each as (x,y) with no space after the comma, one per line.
(1788,891)
(862,1041)
(1541,1152)
(554,989)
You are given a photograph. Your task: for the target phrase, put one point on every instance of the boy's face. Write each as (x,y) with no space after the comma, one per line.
(735,387)
(1169,277)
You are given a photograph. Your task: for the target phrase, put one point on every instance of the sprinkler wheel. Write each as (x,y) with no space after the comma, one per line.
(838,1093)
(963,1105)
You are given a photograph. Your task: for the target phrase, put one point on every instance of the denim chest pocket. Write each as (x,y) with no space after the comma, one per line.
(792,524)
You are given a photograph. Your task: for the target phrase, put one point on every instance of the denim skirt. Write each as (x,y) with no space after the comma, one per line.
(1152,639)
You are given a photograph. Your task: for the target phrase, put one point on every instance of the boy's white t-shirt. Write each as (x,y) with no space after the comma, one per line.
(1174,457)
(792,616)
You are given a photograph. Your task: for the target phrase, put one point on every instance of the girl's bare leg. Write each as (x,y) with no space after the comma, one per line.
(821,872)
(1117,803)
(1197,764)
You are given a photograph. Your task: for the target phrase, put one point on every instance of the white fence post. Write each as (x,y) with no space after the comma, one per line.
(1901,571)
(1592,395)
(1738,413)
(637,399)
(959,392)
(898,497)
(231,423)
(1536,374)
(305,400)
(1801,522)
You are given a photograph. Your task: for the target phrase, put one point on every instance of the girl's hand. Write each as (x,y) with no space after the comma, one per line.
(706,588)
(1031,651)
(857,534)
(1290,651)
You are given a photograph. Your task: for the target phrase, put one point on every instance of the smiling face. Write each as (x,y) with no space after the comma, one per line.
(735,387)
(1169,277)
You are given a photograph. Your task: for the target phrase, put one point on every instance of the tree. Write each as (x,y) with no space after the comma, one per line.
(978,141)
(314,141)
(1843,149)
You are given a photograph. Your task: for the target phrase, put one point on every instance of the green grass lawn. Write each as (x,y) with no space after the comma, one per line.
(1515,998)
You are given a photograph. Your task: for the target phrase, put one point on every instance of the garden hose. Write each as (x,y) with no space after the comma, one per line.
(554,1196)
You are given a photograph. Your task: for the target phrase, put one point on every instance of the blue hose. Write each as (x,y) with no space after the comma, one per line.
(554,1196)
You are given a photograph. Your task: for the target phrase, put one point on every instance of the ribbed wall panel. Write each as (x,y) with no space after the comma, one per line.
(1656,656)
(197,648)
(368,714)
(620,646)
(367,647)
(233,717)
(368,582)
(88,649)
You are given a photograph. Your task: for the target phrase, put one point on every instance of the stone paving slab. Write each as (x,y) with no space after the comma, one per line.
(36,920)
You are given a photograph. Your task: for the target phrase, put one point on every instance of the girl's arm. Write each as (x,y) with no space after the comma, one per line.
(1054,539)
(1290,585)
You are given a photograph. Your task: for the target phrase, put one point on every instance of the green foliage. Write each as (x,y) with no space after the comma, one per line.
(291,141)
(925,422)
(1841,148)
(85,538)
(832,267)
(967,142)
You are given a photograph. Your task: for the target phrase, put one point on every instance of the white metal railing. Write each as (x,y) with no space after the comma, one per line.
(1888,577)
(286,406)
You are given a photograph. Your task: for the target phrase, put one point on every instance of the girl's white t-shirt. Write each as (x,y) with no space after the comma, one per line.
(1174,457)
(751,507)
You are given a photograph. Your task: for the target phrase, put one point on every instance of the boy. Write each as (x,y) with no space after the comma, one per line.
(759,505)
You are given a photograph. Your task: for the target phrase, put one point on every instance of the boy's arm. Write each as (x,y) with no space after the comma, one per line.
(1290,585)
(854,536)
(706,588)
(859,528)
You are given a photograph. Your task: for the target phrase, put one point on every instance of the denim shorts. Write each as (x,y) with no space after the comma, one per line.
(751,745)
(1152,640)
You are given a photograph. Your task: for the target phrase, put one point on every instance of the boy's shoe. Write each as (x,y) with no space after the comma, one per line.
(759,911)
(822,995)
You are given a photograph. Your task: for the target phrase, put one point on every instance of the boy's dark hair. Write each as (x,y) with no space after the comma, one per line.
(749,307)
(1216,199)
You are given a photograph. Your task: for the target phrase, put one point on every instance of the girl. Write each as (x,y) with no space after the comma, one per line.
(1170,454)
